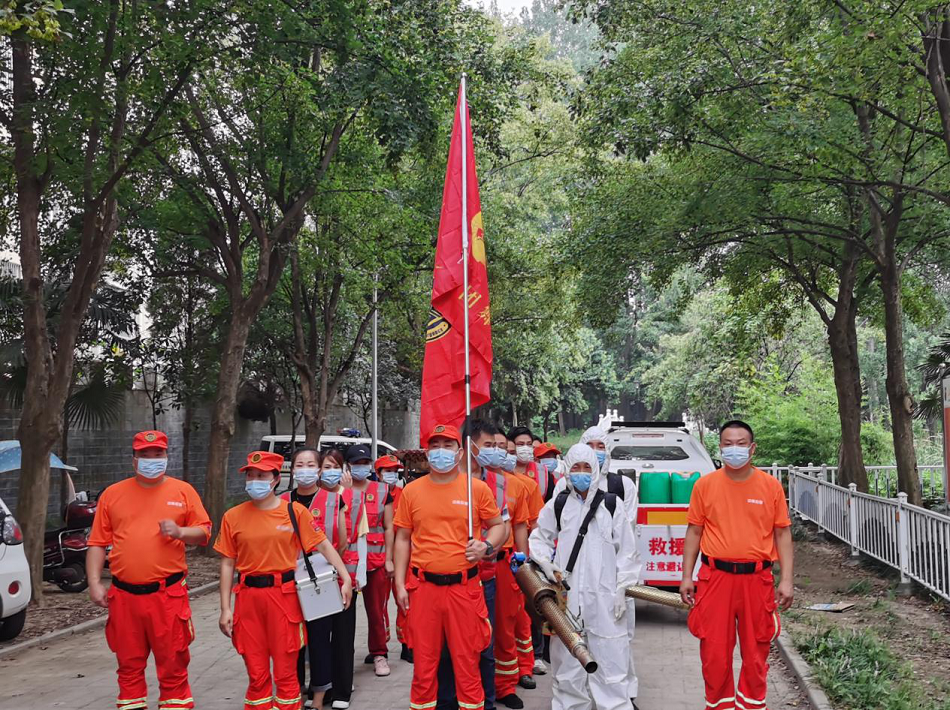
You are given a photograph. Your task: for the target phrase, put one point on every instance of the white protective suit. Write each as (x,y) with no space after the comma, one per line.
(605,566)
(595,433)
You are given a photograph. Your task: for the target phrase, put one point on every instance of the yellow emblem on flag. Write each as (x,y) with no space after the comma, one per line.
(478,239)
(437,327)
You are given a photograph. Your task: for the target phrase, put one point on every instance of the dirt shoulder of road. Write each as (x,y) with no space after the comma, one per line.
(913,629)
(61,609)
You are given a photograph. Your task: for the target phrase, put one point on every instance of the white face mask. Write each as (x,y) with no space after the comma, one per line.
(524,453)
(151,468)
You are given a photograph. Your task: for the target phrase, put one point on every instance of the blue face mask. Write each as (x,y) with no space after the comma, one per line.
(580,481)
(509,462)
(361,471)
(549,464)
(305,476)
(331,477)
(487,458)
(441,460)
(259,490)
(152,468)
(601,457)
(390,477)
(736,456)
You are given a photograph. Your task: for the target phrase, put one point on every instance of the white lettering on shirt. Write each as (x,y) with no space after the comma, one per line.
(756,502)
(459,502)
(285,528)
(176,503)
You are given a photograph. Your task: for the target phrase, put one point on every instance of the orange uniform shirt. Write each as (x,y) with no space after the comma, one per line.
(535,497)
(127,518)
(738,518)
(263,541)
(437,515)
(516,494)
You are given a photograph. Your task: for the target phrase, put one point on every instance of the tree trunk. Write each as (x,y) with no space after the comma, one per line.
(842,335)
(222,419)
(561,430)
(898,391)
(186,440)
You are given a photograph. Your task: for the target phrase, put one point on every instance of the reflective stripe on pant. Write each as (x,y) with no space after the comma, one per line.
(456,613)
(727,605)
(376,601)
(509,602)
(269,628)
(486,661)
(524,642)
(159,624)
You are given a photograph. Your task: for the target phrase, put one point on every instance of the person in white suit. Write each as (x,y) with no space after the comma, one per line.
(605,565)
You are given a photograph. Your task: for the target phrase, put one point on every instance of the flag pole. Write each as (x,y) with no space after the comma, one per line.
(375,378)
(463,125)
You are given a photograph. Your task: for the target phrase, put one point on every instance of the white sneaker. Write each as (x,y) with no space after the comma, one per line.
(382,666)
(341,704)
(540,667)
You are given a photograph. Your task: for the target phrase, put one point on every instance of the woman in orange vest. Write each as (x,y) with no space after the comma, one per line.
(377,500)
(258,539)
(321,497)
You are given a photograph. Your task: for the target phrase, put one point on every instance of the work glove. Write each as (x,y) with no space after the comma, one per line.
(549,570)
(620,603)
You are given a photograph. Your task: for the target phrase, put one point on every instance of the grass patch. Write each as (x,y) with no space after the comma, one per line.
(563,443)
(859,672)
(859,587)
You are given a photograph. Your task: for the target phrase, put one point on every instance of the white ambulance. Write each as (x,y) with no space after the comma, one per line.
(661,447)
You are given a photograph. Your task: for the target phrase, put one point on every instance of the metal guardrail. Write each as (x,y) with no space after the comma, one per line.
(882,480)
(912,540)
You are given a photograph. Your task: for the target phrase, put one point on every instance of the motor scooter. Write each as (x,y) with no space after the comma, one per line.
(64,549)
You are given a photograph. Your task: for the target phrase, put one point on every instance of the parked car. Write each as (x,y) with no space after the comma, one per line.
(664,447)
(280,444)
(14,576)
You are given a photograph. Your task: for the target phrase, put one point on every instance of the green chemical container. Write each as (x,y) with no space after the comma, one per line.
(681,486)
(654,487)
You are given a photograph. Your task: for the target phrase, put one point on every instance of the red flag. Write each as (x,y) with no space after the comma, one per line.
(443,372)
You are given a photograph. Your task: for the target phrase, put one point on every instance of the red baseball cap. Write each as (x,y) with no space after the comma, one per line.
(387,461)
(545,448)
(446,430)
(150,440)
(263,461)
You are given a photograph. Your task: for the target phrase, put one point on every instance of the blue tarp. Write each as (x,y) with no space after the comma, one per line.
(10,457)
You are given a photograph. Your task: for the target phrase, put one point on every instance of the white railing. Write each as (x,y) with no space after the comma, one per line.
(912,540)
(882,480)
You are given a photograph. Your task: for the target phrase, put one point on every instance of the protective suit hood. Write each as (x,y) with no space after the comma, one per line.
(596,433)
(582,453)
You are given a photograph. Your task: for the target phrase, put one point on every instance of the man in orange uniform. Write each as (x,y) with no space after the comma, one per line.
(509,600)
(147,519)
(259,540)
(738,521)
(432,521)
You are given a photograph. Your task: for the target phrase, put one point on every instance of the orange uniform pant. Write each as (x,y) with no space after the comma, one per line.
(730,605)
(523,641)
(269,629)
(403,632)
(160,624)
(509,601)
(457,615)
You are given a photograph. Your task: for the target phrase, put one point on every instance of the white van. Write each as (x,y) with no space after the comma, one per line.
(280,444)
(637,447)
(15,587)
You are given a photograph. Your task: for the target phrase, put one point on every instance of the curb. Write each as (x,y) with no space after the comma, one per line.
(85,626)
(799,666)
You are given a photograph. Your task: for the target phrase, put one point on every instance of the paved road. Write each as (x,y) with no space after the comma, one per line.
(79,671)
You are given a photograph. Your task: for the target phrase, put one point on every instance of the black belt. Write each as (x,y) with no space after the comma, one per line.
(265,580)
(444,580)
(149,588)
(501,555)
(737,567)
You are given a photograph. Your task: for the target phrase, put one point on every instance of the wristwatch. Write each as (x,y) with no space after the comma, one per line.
(489,548)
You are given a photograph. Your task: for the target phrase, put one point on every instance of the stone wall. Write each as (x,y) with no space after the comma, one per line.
(104,457)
